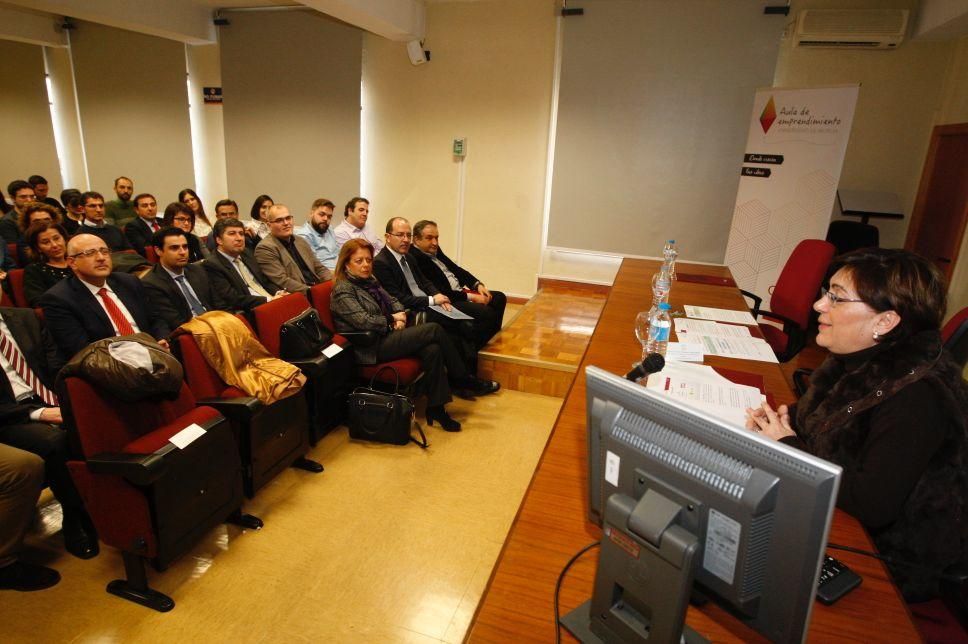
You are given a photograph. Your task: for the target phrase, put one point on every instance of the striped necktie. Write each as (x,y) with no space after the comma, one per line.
(16,360)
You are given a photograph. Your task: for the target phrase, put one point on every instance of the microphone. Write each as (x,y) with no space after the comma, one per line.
(653,363)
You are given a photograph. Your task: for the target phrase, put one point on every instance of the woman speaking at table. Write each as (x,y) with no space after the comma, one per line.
(890,407)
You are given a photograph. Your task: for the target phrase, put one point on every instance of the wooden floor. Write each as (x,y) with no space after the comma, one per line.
(541,348)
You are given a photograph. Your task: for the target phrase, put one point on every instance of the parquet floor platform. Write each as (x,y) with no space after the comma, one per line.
(540,349)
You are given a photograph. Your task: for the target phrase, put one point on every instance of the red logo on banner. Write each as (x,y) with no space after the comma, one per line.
(768,115)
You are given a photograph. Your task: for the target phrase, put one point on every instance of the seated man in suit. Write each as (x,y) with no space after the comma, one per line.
(140,229)
(233,271)
(402,278)
(95,303)
(177,290)
(95,224)
(466,292)
(21,480)
(285,258)
(29,412)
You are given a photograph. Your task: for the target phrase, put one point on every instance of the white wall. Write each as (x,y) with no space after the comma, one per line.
(25,125)
(133,103)
(291,85)
(208,133)
(489,80)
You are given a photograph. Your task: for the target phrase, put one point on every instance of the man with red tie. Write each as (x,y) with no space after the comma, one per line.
(95,303)
(29,413)
(140,229)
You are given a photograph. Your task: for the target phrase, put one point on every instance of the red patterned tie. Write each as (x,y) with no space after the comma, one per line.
(120,322)
(16,360)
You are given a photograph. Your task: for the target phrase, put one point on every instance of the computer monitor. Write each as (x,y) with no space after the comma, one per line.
(690,503)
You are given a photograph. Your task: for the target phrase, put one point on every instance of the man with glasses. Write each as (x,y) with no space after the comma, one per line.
(285,258)
(399,274)
(95,303)
(94,223)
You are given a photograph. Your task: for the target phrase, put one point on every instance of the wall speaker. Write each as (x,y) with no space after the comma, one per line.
(416,52)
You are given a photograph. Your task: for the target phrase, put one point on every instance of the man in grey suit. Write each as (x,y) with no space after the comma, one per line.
(177,290)
(287,259)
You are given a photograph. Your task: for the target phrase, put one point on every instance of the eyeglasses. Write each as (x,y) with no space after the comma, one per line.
(91,252)
(182,219)
(834,298)
(402,235)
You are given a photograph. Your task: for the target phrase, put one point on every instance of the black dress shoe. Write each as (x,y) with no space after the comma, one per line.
(479,387)
(80,539)
(440,415)
(24,576)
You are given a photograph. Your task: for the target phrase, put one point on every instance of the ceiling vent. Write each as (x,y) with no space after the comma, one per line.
(851,29)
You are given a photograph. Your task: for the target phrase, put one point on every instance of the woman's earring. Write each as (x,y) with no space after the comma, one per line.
(877,336)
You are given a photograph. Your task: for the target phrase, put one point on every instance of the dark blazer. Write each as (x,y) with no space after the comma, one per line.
(139,233)
(388,271)
(41,355)
(227,284)
(112,236)
(168,304)
(354,309)
(432,272)
(75,318)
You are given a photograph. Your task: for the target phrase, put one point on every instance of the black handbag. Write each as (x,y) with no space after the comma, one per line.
(303,336)
(383,417)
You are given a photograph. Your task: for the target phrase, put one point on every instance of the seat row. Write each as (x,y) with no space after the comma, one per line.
(152,499)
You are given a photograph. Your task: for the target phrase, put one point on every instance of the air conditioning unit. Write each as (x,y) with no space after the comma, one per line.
(851,28)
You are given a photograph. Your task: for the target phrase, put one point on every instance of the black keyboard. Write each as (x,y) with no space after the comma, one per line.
(836,580)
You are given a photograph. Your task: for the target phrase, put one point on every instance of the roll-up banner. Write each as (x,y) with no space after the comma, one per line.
(788,183)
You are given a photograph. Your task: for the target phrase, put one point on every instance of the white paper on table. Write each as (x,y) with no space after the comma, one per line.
(331,350)
(743,348)
(187,436)
(684,352)
(719,315)
(454,314)
(699,372)
(725,400)
(686,329)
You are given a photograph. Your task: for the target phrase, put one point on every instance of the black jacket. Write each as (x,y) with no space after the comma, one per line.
(168,303)
(228,285)
(388,271)
(138,233)
(894,417)
(41,355)
(75,318)
(432,272)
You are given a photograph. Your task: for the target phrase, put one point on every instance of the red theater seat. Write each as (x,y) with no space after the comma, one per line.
(147,497)
(409,369)
(329,378)
(793,296)
(270,438)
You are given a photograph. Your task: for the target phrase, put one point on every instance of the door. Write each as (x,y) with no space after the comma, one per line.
(941,209)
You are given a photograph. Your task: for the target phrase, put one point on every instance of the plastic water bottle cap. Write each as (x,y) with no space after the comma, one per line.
(664,306)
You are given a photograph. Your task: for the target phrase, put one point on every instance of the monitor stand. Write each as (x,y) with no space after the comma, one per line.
(644,577)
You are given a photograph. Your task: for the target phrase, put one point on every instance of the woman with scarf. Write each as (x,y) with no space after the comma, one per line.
(889,405)
(359,303)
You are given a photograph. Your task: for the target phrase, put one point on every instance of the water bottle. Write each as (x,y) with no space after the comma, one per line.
(659,328)
(661,285)
(670,253)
